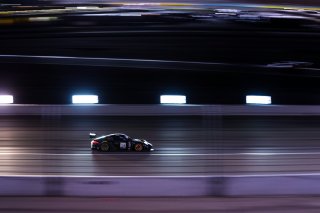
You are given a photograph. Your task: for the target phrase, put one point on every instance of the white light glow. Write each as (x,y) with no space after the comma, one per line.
(85,99)
(82,8)
(173,99)
(257,99)
(42,19)
(6,99)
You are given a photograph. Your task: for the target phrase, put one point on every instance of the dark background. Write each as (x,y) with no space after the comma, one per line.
(244,47)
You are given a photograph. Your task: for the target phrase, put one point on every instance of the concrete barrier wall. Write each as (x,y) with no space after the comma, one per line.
(160,186)
(272,185)
(158,110)
(22,186)
(135,186)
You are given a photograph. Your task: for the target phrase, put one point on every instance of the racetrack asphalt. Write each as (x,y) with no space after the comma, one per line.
(184,146)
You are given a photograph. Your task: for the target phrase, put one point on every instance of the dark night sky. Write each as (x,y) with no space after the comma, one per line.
(162,38)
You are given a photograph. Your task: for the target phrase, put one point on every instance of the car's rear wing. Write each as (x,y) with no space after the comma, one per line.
(92,135)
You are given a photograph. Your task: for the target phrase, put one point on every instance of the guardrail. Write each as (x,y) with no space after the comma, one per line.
(159,110)
(160,186)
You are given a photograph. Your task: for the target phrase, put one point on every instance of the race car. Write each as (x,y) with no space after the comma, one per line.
(118,142)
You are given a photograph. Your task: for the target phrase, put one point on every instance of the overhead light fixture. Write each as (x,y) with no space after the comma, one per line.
(258,99)
(6,99)
(85,99)
(173,99)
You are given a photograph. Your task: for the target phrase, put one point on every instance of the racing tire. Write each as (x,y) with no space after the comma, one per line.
(138,147)
(105,147)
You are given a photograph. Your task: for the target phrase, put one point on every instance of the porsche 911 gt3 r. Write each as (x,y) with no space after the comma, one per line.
(119,142)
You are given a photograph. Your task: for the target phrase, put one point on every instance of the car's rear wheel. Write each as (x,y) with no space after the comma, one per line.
(105,147)
(138,147)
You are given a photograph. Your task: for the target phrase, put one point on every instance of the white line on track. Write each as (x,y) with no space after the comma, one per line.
(310,174)
(187,149)
(164,154)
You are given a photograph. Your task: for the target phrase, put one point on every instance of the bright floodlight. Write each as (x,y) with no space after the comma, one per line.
(173,99)
(6,99)
(85,99)
(257,99)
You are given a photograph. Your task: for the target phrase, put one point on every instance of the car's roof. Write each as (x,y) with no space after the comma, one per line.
(113,134)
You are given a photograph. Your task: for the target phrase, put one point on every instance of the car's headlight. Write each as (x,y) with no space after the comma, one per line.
(147,143)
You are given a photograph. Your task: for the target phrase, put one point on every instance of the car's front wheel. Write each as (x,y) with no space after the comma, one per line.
(105,147)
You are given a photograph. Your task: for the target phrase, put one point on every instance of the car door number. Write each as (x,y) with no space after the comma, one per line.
(123,145)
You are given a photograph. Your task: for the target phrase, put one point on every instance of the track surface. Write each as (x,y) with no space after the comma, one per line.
(57,145)
(141,205)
